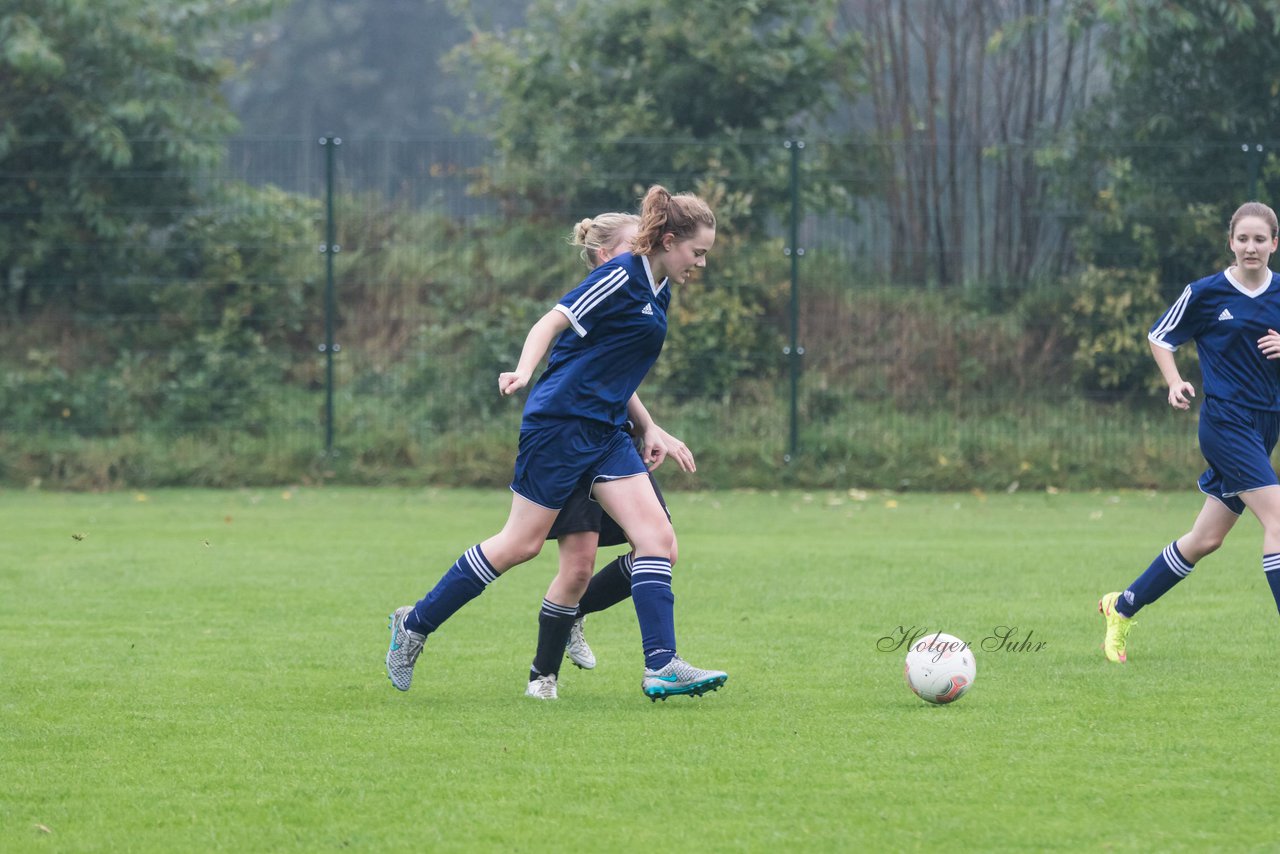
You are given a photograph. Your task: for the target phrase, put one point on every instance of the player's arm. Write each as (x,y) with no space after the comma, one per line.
(658,444)
(536,345)
(652,448)
(639,415)
(1180,391)
(679,450)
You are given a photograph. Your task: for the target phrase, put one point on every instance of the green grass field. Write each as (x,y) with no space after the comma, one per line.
(202,671)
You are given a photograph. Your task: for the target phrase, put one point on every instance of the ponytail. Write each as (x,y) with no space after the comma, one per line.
(662,213)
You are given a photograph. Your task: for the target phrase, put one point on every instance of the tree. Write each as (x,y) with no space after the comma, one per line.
(969,99)
(109,113)
(360,68)
(1185,132)
(593,99)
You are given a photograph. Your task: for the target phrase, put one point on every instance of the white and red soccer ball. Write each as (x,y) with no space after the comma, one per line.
(940,668)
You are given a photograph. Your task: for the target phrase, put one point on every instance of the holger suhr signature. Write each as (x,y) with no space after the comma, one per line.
(1002,638)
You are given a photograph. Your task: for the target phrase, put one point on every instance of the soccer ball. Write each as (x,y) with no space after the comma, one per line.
(940,668)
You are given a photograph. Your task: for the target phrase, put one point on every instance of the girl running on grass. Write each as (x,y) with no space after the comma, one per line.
(1232,317)
(604,336)
(582,526)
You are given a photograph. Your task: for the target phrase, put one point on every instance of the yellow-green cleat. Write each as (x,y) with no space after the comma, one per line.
(1118,626)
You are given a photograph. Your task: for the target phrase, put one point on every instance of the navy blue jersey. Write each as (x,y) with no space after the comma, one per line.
(1226,321)
(617,324)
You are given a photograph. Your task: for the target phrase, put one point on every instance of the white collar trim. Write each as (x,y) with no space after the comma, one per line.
(648,271)
(1235,283)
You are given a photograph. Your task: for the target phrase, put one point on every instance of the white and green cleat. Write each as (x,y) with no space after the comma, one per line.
(403,651)
(681,677)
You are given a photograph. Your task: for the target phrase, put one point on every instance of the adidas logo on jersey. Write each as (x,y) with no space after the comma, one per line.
(1226,315)
(648,309)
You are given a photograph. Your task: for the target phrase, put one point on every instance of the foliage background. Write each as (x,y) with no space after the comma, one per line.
(971,302)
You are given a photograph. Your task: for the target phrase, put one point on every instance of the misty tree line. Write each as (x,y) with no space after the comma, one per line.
(1009,141)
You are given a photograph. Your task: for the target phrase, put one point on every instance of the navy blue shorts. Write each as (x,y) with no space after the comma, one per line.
(554,457)
(1237,443)
(583,513)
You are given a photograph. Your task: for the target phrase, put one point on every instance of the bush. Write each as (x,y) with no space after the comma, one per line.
(216,367)
(921,350)
(206,336)
(1108,321)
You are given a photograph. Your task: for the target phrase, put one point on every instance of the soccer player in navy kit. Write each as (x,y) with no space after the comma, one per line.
(607,333)
(582,527)
(1232,316)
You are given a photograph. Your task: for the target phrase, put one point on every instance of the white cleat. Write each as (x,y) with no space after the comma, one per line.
(543,687)
(577,650)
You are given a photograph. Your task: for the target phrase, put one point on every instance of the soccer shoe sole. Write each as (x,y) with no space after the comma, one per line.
(697,689)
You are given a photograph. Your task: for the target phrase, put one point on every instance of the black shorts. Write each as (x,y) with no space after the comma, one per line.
(580,513)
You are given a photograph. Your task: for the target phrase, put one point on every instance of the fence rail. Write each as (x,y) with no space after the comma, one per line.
(817,382)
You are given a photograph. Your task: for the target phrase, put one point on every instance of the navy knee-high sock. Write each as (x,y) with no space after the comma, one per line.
(464,581)
(608,587)
(1166,570)
(1271,567)
(655,609)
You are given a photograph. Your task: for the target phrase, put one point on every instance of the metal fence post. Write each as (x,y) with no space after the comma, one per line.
(329,248)
(1255,154)
(794,351)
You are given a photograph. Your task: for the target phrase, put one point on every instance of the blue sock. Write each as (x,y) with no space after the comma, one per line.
(464,581)
(1166,570)
(1271,567)
(655,609)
